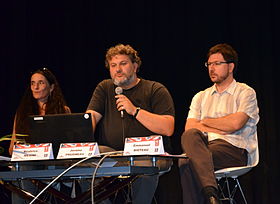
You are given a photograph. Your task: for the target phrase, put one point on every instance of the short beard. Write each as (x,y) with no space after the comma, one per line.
(220,79)
(127,81)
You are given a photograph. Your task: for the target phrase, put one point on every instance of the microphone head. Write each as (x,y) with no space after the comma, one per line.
(118,90)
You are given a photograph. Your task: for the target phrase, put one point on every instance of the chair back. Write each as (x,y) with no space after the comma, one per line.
(234,172)
(253,157)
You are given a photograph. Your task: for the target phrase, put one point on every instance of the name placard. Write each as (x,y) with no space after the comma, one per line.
(23,152)
(152,145)
(77,150)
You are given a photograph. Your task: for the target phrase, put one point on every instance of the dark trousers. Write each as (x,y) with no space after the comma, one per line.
(144,187)
(205,157)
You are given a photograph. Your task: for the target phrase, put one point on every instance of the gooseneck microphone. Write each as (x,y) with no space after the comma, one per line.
(119,90)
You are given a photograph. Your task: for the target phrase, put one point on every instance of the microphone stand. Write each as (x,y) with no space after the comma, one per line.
(123,135)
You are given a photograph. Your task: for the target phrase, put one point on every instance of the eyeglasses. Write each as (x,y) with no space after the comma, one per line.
(208,64)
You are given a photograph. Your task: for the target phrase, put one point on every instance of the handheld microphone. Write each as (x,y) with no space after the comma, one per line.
(119,90)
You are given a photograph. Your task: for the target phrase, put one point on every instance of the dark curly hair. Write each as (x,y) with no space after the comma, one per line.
(121,49)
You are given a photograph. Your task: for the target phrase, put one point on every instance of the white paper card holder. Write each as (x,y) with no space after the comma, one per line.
(152,145)
(25,152)
(78,150)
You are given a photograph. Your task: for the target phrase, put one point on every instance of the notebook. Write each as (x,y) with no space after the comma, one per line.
(60,128)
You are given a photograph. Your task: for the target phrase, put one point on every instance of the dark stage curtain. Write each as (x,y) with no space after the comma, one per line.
(172,37)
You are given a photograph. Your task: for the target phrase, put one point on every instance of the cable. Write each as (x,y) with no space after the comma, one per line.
(106,154)
(93,177)
(123,135)
(95,171)
(69,168)
(9,137)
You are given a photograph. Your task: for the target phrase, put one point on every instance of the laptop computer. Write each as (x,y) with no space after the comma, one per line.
(60,128)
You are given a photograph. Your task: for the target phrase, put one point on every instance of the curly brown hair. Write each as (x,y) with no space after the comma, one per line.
(121,49)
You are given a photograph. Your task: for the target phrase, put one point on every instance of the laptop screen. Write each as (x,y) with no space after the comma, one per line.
(60,128)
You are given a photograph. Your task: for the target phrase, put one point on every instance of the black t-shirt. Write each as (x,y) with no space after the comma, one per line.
(112,129)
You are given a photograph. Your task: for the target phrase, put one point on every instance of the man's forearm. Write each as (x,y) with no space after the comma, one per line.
(193,123)
(159,124)
(229,123)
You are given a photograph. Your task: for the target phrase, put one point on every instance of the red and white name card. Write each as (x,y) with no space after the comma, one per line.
(77,150)
(152,145)
(23,152)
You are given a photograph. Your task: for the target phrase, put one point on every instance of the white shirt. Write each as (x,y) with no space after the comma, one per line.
(238,97)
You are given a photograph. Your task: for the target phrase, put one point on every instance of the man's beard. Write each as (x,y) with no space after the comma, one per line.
(220,79)
(125,82)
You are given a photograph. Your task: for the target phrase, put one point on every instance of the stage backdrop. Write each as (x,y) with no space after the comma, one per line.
(172,37)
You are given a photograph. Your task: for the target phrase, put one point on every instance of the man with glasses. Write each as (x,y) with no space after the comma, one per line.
(220,130)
